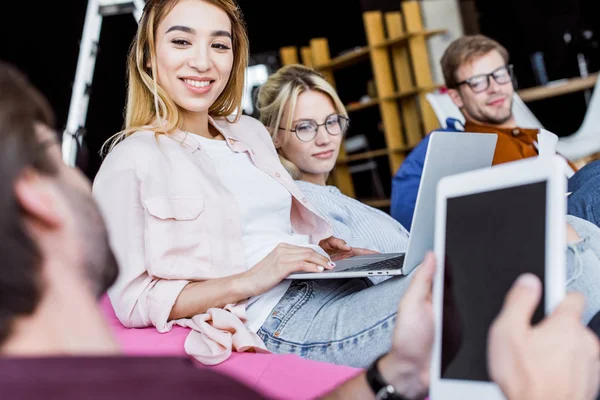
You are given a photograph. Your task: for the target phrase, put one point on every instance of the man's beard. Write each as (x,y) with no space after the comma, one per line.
(490,119)
(497,120)
(99,263)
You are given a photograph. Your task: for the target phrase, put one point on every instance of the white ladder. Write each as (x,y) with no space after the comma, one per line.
(88,49)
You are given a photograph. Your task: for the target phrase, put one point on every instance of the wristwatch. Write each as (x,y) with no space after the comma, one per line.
(382,389)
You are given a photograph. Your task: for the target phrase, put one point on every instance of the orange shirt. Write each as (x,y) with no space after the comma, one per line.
(513,143)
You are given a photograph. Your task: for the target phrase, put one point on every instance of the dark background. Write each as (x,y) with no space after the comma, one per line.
(42,39)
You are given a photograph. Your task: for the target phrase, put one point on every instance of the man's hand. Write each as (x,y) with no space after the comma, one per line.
(337,249)
(557,359)
(406,367)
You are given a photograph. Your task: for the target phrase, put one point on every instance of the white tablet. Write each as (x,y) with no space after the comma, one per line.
(491,226)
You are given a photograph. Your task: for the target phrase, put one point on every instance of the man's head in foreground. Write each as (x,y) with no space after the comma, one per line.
(53,242)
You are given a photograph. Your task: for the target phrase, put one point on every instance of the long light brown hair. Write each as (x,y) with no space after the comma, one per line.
(148,105)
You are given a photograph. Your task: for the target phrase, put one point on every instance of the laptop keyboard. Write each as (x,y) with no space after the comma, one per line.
(389,264)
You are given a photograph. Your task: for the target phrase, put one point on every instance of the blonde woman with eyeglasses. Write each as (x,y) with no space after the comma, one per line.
(307,121)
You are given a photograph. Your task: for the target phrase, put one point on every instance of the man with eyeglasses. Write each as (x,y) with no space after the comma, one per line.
(480,82)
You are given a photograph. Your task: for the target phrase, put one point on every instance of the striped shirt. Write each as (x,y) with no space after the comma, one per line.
(356,223)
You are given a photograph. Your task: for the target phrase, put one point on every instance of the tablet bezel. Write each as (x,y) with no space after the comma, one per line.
(522,172)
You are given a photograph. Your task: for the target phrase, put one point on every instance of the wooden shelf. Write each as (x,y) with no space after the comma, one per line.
(397,52)
(398,95)
(412,92)
(360,106)
(393,41)
(558,89)
(365,156)
(430,88)
(345,60)
(398,40)
(371,154)
(377,203)
(435,32)
(361,53)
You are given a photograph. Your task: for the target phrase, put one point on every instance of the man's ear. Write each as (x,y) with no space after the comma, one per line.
(456,99)
(37,199)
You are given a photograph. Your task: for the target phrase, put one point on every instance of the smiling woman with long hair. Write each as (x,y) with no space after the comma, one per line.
(204,219)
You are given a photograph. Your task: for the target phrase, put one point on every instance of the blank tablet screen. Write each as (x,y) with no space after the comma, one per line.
(491,238)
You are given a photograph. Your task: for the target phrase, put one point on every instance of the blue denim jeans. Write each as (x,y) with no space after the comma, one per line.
(350,321)
(584,200)
(583,265)
(342,321)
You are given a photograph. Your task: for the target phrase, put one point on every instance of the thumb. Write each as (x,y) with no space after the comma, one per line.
(333,243)
(521,301)
(340,244)
(421,285)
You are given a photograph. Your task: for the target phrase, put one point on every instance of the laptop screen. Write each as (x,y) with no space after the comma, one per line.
(491,238)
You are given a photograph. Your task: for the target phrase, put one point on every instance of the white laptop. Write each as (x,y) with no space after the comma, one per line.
(448,153)
(491,226)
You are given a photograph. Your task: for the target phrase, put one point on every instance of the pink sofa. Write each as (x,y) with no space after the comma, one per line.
(277,376)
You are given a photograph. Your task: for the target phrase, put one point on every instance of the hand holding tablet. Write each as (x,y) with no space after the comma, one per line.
(497,323)
(492,225)
(557,359)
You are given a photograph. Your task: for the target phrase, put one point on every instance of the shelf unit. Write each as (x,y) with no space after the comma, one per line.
(397,50)
(563,87)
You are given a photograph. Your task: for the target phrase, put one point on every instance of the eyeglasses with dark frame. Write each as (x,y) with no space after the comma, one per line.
(480,83)
(306,130)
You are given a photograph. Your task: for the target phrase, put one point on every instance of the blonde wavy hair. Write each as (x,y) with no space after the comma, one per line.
(147,102)
(282,89)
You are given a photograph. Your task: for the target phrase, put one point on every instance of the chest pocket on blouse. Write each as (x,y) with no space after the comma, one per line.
(177,244)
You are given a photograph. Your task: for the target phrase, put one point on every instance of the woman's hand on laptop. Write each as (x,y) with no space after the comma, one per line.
(284,260)
(406,366)
(338,249)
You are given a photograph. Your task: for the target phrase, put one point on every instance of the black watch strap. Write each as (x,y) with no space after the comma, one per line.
(382,389)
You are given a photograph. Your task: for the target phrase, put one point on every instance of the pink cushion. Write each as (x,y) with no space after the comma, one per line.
(279,376)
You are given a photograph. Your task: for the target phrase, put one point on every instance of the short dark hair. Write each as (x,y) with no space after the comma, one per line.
(21,108)
(464,49)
